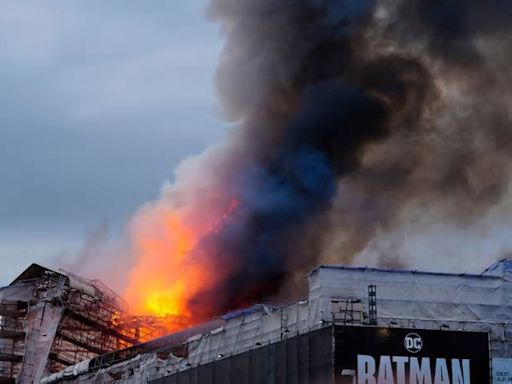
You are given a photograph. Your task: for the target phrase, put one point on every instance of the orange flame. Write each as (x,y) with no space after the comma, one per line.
(166,274)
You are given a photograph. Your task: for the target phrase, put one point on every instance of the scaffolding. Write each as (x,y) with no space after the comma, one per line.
(347,311)
(92,325)
(372,304)
(12,334)
(51,320)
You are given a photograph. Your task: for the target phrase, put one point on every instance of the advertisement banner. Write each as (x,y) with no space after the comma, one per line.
(366,355)
(501,371)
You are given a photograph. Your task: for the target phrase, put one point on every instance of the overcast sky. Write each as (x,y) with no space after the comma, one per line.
(99,101)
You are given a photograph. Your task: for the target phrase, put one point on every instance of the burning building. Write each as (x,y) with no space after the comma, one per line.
(52,320)
(357,127)
(357,325)
(355,122)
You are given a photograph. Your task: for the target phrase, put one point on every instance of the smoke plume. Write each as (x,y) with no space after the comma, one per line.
(352,120)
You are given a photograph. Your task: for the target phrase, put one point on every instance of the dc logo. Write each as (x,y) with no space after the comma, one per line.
(413,342)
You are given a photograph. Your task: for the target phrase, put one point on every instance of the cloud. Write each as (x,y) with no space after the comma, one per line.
(29,30)
(99,101)
(169,76)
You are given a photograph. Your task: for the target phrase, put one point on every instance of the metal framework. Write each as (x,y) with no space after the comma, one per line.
(51,320)
(12,335)
(94,323)
(347,311)
(372,305)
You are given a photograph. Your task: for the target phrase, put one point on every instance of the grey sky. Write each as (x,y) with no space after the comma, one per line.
(99,101)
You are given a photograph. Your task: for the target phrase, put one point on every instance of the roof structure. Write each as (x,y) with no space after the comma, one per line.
(338,295)
(50,320)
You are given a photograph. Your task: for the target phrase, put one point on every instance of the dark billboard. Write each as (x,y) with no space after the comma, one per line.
(352,355)
(303,359)
(410,356)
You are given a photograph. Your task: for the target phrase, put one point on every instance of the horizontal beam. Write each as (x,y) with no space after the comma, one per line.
(106,330)
(10,357)
(81,344)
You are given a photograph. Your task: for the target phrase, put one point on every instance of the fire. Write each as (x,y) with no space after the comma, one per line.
(167,273)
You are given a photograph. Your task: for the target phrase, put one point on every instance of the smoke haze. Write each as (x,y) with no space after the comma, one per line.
(360,128)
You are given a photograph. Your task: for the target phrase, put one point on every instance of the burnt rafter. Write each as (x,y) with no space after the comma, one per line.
(77,319)
(106,330)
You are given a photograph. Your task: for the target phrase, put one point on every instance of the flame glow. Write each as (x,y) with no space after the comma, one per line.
(167,273)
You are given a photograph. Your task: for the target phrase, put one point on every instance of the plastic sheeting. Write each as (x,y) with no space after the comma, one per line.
(424,300)
(405,299)
(42,323)
(22,292)
(303,359)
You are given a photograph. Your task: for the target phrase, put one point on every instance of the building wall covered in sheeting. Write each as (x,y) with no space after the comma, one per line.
(38,321)
(52,320)
(303,359)
(412,299)
(339,296)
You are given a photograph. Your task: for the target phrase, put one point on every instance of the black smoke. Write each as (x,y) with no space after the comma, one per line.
(347,113)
